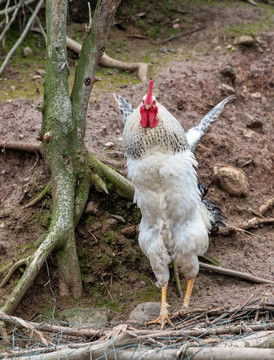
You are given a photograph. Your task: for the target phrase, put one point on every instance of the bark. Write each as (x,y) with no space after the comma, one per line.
(62,133)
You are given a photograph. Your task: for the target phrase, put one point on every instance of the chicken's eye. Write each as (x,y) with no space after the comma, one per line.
(154,102)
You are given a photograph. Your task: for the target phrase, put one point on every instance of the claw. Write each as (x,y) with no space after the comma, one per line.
(163,319)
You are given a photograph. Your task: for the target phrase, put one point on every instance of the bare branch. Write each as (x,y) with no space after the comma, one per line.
(23,35)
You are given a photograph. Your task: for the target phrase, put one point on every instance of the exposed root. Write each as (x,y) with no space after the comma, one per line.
(40,196)
(107,61)
(13,269)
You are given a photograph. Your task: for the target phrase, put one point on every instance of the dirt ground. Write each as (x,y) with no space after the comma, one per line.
(188,83)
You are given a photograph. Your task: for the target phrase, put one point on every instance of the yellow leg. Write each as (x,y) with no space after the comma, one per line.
(189,288)
(163,318)
(185,305)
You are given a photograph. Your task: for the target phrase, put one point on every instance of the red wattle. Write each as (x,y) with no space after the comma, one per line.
(152,118)
(144,118)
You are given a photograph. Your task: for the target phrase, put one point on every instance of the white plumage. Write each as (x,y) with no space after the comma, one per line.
(175,223)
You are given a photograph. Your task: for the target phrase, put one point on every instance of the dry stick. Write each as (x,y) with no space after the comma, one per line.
(246,225)
(13,320)
(13,269)
(107,61)
(21,38)
(235,273)
(29,147)
(27,325)
(181,34)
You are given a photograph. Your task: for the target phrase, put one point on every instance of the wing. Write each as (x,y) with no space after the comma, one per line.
(195,134)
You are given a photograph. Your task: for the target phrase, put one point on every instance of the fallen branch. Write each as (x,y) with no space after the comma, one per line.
(239,274)
(246,225)
(12,8)
(20,146)
(107,61)
(14,320)
(28,326)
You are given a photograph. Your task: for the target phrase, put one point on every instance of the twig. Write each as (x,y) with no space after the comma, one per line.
(11,8)
(11,20)
(107,289)
(42,31)
(181,34)
(13,269)
(23,35)
(246,225)
(235,273)
(267,205)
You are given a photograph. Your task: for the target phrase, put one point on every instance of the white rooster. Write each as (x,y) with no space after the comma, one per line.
(175,223)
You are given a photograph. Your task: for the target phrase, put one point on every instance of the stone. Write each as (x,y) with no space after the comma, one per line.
(109,145)
(91,208)
(145,312)
(86,317)
(227,89)
(119,218)
(245,40)
(109,224)
(27,52)
(129,231)
(218,49)
(232,180)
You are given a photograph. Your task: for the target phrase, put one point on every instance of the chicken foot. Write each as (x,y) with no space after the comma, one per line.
(163,318)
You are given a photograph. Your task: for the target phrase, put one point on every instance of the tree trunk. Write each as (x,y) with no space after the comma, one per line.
(62,133)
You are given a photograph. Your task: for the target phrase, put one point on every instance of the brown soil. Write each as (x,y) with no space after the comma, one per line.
(115,272)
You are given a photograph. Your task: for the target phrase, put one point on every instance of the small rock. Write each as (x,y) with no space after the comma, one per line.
(12,88)
(89,280)
(27,52)
(41,72)
(176,26)
(218,49)
(229,72)
(91,208)
(109,144)
(227,89)
(36,77)
(109,224)
(21,136)
(232,180)
(145,312)
(256,95)
(119,218)
(129,232)
(245,40)
(86,317)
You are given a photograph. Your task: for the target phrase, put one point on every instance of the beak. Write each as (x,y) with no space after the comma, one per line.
(148,106)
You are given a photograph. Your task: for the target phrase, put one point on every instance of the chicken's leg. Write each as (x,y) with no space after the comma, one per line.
(163,318)
(185,305)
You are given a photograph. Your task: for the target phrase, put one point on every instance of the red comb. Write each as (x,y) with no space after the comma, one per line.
(149,94)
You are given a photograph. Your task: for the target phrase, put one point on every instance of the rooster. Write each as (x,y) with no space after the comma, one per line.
(175,223)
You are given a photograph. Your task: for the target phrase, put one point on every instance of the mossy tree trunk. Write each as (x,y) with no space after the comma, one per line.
(63,129)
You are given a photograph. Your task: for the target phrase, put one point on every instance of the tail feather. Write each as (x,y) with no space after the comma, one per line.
(195,134)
